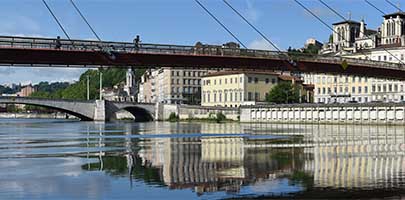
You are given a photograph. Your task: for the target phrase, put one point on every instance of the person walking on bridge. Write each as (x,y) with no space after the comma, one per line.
(58,44)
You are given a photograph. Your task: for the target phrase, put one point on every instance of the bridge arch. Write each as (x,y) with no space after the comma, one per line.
(141,112)
(82,110)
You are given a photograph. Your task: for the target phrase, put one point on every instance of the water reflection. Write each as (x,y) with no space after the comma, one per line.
(206,160)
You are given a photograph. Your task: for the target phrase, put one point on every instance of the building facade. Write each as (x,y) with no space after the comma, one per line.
(352,39)
(172,86)
(236,88)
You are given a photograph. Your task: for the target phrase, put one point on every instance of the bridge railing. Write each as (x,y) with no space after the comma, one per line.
(209,50)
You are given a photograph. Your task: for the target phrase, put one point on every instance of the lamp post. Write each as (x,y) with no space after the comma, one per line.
(101,84)
(88,87)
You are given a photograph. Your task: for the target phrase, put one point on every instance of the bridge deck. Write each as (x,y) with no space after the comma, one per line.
(23,51)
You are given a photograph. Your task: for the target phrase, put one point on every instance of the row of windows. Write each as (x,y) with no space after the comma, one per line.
(234,80)
(256,80)
(362,99)
(340,79)
(390,87)
(226,80)
(229,97)
(188,73)
(328,90)
(186,81)
(185,90)
(390,58)
(222,97)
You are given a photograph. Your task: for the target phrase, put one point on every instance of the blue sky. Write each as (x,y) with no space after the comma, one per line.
(174,22)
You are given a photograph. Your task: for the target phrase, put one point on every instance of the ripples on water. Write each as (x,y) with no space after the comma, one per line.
(57,159)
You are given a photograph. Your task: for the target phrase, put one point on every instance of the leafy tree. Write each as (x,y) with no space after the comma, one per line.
(284,92)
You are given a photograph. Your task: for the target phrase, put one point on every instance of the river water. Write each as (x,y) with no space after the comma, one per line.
(61,159)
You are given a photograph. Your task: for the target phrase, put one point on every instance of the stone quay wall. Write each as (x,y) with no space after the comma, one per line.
(372,113)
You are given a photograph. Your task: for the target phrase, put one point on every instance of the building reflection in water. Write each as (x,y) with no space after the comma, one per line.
(312,156)
(217,163)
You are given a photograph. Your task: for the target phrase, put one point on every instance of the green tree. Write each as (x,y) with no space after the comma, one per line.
(284,92)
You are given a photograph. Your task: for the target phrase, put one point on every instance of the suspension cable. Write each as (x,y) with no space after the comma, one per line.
(219,22)
(393,5)
(56,19)
(344,18)
(252,26)
(85,20)
(372,5)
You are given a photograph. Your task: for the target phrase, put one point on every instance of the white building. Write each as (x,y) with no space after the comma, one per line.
(353,39)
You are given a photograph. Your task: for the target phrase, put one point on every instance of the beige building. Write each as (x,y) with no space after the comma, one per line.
(172,86)
(236,88)
(353,40)
(26,91)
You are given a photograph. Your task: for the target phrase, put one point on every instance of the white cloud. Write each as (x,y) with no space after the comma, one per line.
(34,75)
(252,13)
(18,25)
(261,44)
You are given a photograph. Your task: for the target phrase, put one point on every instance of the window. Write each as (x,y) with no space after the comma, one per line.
(178,81)
(226,81)
(273,81)
(267,80)
(241,80)
(257,96)
(249,79)
(172,73)
(359,90)
(385,58)
(256,80)
(230,96)
(215,81)
(353,89)
(178,73)
(250,96)
(365,89)
(215,97)
(241,96)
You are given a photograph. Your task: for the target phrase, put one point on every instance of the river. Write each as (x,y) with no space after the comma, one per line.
(63,159)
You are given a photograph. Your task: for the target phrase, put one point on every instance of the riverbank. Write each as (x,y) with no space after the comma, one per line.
(36,116)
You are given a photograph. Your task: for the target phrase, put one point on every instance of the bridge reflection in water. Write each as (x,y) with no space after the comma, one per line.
(302,156)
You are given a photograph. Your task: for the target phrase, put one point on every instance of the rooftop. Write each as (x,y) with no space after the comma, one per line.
(346,22)
(395,14)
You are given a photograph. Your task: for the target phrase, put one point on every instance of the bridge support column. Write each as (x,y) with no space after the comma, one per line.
(100,111)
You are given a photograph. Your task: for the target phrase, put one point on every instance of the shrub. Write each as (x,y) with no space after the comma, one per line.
(173,117)
(220,117)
